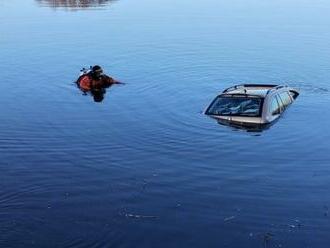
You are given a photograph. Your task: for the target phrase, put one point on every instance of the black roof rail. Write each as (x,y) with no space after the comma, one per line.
(260,85)
(233,88)
(243,95)
(275,88)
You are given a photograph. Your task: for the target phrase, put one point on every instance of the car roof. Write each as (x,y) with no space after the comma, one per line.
(260,90)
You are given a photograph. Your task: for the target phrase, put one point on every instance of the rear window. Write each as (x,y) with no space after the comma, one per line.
(236,106)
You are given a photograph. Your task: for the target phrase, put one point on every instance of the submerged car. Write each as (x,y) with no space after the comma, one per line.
(251,104)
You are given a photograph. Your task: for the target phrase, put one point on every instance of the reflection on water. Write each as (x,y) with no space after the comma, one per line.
(74,3)
(98,94)
(255,128)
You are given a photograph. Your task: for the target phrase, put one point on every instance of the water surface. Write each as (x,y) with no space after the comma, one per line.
(144,167)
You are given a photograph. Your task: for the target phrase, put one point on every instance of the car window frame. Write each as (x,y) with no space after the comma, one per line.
(238,96)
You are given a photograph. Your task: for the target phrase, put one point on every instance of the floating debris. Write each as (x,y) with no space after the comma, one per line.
(229,218)
(137,216)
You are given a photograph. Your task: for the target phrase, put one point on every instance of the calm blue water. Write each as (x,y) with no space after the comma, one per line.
(145,168)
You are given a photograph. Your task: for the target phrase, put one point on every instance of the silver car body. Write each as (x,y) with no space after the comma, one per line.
(267,103)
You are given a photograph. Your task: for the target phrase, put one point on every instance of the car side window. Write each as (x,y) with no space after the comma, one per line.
(286,99)
(275,107)
(280,103)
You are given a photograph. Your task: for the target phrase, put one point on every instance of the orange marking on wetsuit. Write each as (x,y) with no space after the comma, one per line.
(85,83)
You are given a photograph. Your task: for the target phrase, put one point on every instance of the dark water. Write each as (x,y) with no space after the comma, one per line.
(145,168)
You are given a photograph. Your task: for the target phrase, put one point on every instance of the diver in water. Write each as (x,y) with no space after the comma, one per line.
(95,82)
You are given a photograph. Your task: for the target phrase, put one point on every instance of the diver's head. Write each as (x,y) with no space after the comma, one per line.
(97,70)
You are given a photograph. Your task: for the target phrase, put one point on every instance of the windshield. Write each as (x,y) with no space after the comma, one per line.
(236,106)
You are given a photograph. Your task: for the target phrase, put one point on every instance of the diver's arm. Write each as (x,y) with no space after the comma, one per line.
(118,82)
(113,81)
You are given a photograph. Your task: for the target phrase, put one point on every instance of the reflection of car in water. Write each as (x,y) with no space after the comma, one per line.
(245,126)
(251,105)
